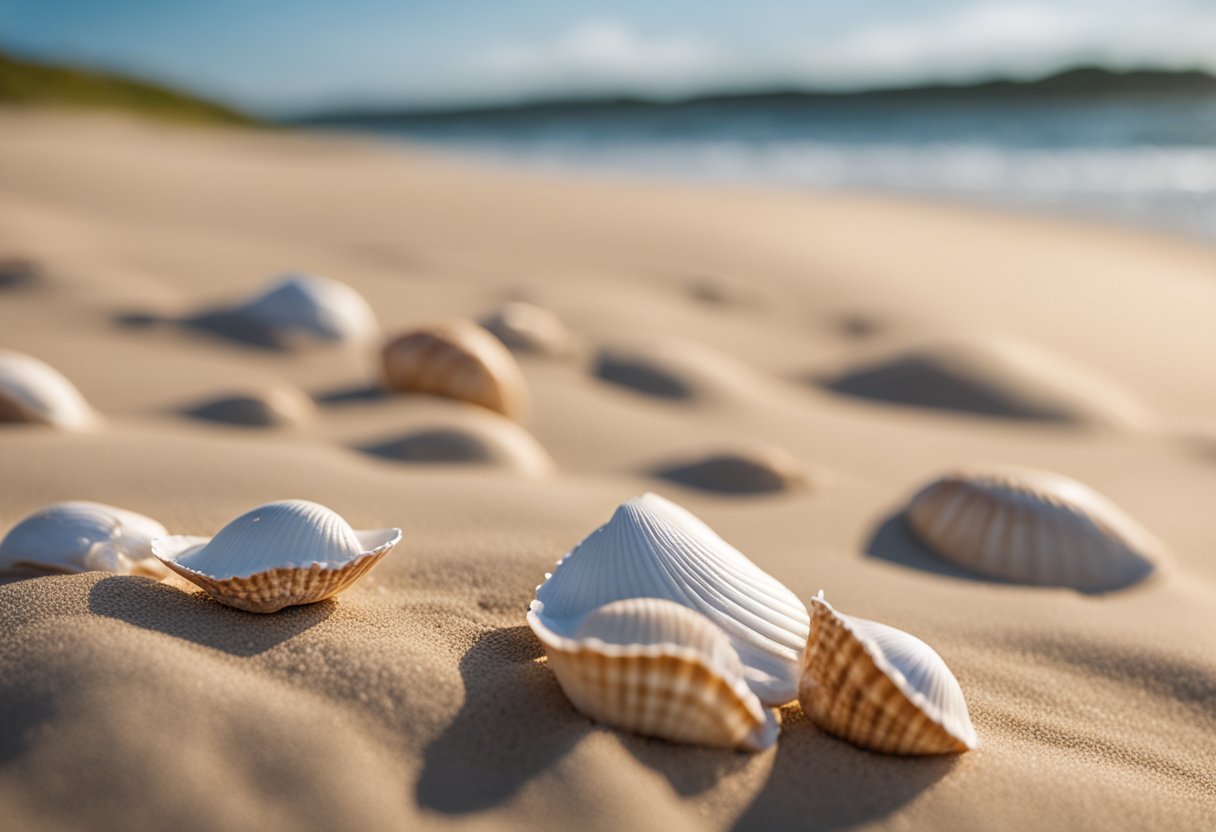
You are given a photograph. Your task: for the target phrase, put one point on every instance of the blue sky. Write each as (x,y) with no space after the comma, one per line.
(292,55)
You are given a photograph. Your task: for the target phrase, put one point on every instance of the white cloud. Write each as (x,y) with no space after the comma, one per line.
(981,39)
(601,56)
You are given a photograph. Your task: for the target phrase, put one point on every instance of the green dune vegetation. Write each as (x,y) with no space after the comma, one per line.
(32,84)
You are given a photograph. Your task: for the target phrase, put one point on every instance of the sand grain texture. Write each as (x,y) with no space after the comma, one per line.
(419,698)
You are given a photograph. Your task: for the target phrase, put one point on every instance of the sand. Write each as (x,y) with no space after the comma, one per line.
(417,700)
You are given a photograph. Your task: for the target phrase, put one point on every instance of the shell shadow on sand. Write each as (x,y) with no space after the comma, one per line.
(516,722)
(752,469)
(498,742)
(195,617)
(275,407)
(894,542)
(20,274)
(218,322)
(674,368)
(987,377)
(504,445)
(839,786)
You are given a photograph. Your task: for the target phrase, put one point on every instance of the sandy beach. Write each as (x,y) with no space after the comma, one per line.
(785,322)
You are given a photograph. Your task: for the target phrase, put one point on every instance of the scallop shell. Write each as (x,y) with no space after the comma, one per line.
(881,688)
(1033,527)
(318,306)
(33,391)
(459,360)
(277,555)
(653,548)
(655,667)
(523,327)
(81,536)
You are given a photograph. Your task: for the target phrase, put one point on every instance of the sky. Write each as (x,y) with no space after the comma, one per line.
(293,56)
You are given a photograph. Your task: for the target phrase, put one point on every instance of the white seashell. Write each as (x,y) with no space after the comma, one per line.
(523,327)
(33,391)
(81,536)
(1033,527)
(881,688)
(459,360)
(312,305)
(277,555)
(655,667)
(653,548)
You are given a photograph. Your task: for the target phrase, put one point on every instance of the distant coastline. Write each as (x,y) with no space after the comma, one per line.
(1083,81)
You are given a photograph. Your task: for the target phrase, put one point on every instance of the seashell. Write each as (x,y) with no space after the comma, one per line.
(277,555)
(675,368)
(653,548)
(881,688)
(81,536)
(750,469)
(19,273)
(312,305)
(657,668)
(525,328)
(459,360)
(995,377)
(33,391)
(277,406)
(1033,527)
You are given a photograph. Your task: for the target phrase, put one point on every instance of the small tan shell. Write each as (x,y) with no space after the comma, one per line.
(460,360)
(1032,527)
(657,668)
(277,555)
(880,688)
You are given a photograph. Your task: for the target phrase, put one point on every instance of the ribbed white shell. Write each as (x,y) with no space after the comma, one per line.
(1033,527)
(652,548)
(914,668)
(34,391)
(316,305)
(82,536)
(657,667)
(295,533)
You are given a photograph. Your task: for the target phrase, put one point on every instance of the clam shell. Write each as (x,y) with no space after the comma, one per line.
(881,688)
(526,328)
(81,536)
(459,360)
(1033,527)
(657,668)
(318,306)
(33,391)
(653,548)
(277,555)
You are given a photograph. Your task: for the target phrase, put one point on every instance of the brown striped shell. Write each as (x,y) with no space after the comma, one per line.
(459,360)
(1032,527)
(880,688)
(655,667)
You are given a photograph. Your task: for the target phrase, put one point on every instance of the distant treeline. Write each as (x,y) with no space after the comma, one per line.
(1089,82)
(30,83)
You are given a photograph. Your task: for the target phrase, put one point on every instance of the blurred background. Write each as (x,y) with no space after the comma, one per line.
(1106,109)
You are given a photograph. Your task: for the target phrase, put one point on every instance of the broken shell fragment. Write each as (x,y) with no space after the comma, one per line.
(32,391)
(880,688)
(459,360)
(653,548)
(1033,527)
(81,536)
(277,555)
(657,668)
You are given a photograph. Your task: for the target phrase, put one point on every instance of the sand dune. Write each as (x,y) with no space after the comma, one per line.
(418,698)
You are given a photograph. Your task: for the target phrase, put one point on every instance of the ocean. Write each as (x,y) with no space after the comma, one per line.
(1147,160)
